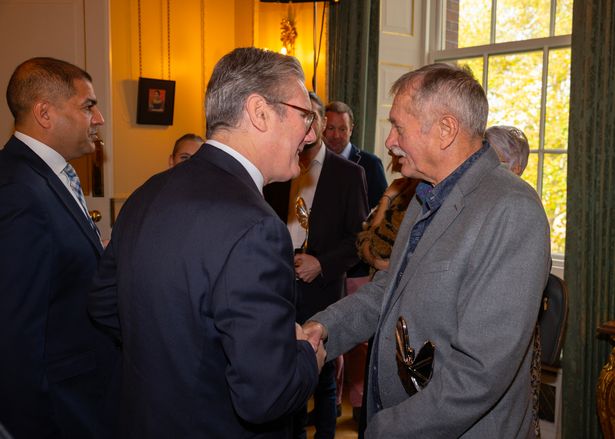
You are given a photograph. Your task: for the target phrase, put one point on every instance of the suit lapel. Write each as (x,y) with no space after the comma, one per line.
(355,154)
(321,193)
(18,148)
(444,217)
(71,205)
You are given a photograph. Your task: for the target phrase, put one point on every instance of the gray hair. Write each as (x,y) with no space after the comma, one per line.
(41,78)
(511,145)
(341,108)
(239,74)
(443,88)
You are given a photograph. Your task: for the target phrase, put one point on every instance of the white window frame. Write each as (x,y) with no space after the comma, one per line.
(435,39)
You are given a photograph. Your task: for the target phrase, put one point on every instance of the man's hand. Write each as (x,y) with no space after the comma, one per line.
(315,341)
(300,333)
(307,267)
(315,333)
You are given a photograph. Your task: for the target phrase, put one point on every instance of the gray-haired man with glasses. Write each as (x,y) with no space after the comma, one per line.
(198,281)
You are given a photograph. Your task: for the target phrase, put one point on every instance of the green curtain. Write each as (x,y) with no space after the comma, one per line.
(354,28)
(590,241)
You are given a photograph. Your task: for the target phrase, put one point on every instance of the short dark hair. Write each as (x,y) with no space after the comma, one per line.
(41,78)
(444,88)
(242,72)
(187,136)
(341,108)
(321,107)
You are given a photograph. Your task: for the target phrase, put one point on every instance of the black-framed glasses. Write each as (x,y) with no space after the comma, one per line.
(308,115)
(414,371)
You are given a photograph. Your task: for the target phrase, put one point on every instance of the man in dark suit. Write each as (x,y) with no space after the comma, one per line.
(467,271)
(335,195)
(338,130)
(198,282)
(340,122)
(55,366)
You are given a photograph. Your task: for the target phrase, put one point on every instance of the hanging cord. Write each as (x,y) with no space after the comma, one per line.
(317,53)
(139,31)
(169,38)
(161,34)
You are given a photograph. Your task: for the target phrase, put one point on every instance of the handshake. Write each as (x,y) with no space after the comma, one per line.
(314,333)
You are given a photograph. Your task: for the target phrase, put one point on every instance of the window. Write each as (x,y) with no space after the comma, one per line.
(520,51)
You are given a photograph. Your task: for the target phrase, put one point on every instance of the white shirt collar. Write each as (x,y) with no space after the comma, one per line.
(255,174)
(346,151)
(50,156)
(320,155)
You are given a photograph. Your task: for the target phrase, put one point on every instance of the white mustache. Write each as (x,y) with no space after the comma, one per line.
(398,152)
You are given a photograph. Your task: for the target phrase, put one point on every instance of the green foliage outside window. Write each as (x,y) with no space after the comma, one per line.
(515,88)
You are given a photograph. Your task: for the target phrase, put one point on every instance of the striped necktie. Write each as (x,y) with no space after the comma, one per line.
(75,185)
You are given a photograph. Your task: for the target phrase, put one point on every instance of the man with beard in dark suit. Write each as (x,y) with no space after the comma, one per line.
(335,196)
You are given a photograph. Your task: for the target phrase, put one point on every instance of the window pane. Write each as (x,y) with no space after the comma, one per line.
(563,17)
(554,198)
(558,97)
(518,20)
(475,64)
(531,171)
(468,23)
(514,88)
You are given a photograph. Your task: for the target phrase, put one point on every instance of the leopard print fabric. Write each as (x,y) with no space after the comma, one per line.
(382,236)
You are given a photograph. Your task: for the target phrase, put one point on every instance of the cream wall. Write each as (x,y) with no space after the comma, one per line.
(268,17)
(202,31)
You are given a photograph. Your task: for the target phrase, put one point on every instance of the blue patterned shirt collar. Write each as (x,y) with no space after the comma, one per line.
(432,197)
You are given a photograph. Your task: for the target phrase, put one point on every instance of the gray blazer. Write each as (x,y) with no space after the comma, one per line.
(473,287)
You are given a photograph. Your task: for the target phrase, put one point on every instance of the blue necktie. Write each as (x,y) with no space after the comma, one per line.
(75,185)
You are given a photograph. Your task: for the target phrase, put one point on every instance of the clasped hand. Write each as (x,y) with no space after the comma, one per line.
(307,267)
(317,345)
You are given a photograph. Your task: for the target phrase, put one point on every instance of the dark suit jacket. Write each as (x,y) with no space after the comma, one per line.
(198,283)
(338,209)
(374,174)
(376,185)
(55,365)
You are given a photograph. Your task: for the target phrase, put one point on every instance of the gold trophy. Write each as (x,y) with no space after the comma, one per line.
(303,215)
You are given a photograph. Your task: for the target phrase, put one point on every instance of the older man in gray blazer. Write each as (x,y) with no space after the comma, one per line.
(467,271)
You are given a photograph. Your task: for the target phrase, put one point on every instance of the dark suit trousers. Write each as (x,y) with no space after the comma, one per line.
(325,412)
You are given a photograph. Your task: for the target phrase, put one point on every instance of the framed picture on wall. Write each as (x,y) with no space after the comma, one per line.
(155,101)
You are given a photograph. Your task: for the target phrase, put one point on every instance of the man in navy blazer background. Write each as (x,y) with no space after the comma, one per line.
(338,130)
(55,366)
(198,281)
(334,191)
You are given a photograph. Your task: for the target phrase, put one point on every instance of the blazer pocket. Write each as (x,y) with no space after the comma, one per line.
(435,267)
(69,367)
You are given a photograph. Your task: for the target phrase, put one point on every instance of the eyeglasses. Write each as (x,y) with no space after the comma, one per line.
(308,115)
(414,372)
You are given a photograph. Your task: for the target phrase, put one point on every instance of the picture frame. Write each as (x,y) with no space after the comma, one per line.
(155,101)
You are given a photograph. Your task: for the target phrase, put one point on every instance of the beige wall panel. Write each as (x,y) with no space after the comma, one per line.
(37,28)
(401,49)
(398,17)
